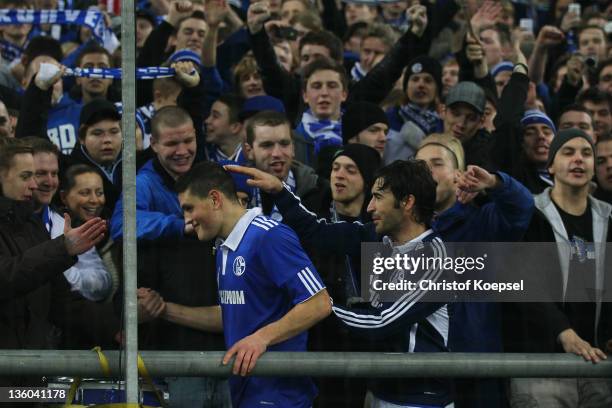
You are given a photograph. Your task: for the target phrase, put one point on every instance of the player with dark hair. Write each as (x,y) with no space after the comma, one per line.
(269,291)
(402,207)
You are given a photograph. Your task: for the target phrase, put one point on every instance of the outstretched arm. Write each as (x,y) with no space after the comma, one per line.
(377,84)
(548,37)
(340,237)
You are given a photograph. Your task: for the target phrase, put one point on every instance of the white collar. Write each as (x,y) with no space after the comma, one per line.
(408,244)
(234,238)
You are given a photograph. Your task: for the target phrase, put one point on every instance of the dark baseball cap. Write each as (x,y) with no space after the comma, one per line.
(97,110)
(147,15)
(260,103)
(467,92)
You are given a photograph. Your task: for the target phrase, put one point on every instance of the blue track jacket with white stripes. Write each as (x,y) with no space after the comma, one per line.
(407,325)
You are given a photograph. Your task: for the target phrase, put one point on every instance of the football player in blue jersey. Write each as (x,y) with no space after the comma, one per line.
(269,291)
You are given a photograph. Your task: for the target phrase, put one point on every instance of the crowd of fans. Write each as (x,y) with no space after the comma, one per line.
(508,103)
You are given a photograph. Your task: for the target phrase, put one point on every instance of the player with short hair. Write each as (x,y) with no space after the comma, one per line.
(269,291)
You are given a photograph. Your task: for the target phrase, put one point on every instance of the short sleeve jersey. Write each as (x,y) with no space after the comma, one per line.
(262,273)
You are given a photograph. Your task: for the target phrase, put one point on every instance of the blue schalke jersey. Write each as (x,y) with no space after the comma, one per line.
(262,273)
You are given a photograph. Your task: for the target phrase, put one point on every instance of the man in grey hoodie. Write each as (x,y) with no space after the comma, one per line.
(580,323)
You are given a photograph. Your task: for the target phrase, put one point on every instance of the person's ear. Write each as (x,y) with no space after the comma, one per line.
(248,151)
(458,174)
(408,203)
(216,198)
(157,95)
(236,127)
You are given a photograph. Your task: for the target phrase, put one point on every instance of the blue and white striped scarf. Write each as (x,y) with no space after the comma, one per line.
(323,132)
(357,72)
(275,214)
(94,20)
(115,73)
(427,120)
(215,154)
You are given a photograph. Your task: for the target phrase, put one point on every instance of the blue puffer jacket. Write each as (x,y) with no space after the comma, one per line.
(158,212)
(476,327)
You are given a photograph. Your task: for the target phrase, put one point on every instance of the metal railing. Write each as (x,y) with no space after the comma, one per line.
(315,364)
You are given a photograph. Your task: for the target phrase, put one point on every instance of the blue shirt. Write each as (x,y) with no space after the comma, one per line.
(63,123)
(262,273)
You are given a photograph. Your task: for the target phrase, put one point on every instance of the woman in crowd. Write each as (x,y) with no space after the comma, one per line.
(89,320)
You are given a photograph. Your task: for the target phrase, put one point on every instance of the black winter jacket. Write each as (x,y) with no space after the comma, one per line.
(31,277)
(507,153)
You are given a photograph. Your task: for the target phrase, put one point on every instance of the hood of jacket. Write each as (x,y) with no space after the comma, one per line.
(80,154)
(306,179)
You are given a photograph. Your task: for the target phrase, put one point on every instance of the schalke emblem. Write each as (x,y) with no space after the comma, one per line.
(239,266)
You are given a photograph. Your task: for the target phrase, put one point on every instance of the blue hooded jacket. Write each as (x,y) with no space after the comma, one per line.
(476,327)
(158,212)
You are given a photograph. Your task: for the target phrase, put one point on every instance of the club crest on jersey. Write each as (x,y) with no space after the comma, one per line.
(239,266)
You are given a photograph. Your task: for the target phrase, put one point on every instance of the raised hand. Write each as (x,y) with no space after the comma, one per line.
(549,36)
(418,18)
(257,14)
(488,13)
(477,179)
(465,197)
(186,74)
(48,75)
(179,9)
(82,239)
(475,53)
(569,21)
(257,178)
(216,11)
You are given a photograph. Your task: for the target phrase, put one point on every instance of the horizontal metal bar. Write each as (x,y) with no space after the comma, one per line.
(316,364)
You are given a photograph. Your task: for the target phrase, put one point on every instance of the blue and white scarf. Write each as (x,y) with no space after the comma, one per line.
(322,132)
(290,182)
(408,125)
(94,20)
(115,73)
(46,218)
(357,72)
(215,154)
(427,120)
(146,113)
